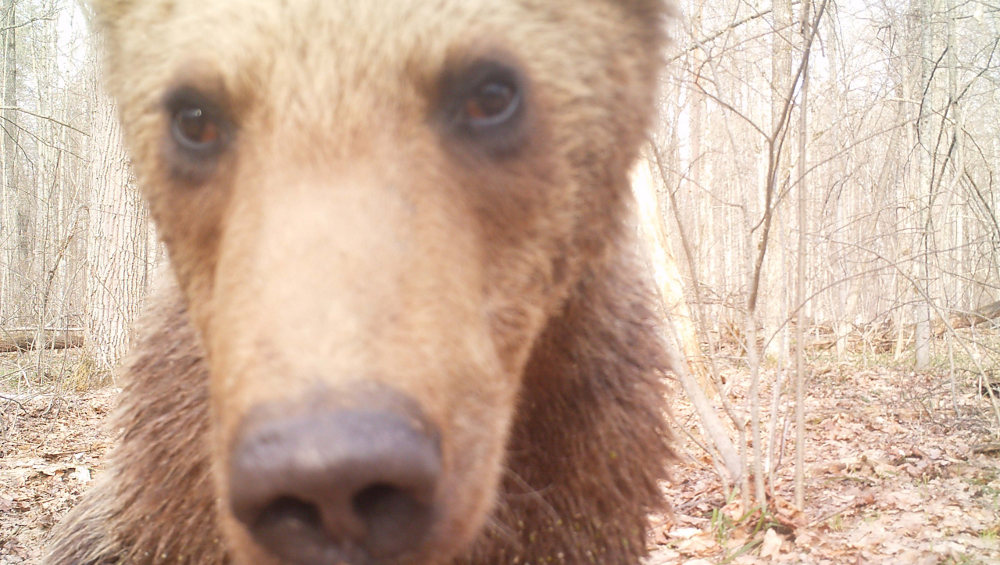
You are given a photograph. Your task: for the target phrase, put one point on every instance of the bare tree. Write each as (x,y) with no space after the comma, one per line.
(61,160)
(14,221)
(891,222)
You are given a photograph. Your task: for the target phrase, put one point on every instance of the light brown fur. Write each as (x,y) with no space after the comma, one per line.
(345,239)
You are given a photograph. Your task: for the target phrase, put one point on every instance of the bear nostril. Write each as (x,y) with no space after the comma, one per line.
(391,516)
(381,499)
(289,513)
(337,486)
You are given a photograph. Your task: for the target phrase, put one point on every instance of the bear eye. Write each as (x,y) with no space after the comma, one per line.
(485,103)
(198,127)
(491,103)
(195,130)
(198,131)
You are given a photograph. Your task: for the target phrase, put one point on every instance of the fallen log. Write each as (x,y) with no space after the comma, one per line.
(958,320)
(27,339)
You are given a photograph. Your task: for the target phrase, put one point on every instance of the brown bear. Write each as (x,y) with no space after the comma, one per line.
(404,321)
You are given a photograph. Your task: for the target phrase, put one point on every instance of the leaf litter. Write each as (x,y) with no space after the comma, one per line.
(894,475)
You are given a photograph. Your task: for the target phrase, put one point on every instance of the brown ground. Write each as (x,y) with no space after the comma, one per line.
(895,476)
(52,447)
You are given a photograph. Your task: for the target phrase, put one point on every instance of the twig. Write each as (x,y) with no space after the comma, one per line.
(13,401)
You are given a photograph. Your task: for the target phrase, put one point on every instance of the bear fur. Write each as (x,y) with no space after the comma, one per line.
(344,227)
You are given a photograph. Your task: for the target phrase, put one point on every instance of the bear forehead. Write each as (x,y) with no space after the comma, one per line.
(348,40)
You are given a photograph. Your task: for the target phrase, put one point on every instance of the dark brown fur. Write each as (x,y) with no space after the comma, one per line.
(571,362)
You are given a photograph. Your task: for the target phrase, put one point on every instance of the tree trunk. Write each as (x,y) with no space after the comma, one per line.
(800,270)
(923,189)
(117,243)
(15,220)
(692,372)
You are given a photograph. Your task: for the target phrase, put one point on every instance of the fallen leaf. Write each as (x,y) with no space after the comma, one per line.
(81,474)
(700,544)
(771,546)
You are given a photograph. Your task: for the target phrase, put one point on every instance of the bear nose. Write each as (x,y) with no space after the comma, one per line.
(342,486)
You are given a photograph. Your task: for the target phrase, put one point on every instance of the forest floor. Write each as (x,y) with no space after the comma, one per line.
(901,468)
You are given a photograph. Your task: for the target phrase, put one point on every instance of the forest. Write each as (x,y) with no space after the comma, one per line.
(820,202)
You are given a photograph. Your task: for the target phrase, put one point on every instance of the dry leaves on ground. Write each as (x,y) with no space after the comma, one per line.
(51,449)
(893,476)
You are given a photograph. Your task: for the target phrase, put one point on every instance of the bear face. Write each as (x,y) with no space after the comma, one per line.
(373,212)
